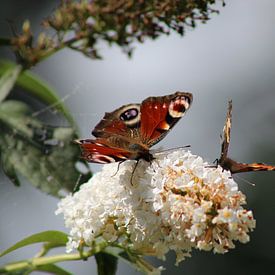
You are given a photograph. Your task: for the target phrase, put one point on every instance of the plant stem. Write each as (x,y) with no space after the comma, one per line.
(35,262)
(59,47)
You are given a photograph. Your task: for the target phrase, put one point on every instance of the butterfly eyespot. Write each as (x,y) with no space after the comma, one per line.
(130,114)
(178,106)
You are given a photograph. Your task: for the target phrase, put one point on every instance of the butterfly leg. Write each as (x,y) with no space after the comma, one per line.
(77,184)
(215,164)
(119,163)
(132,176)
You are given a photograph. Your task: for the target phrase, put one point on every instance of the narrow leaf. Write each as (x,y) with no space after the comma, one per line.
(8,80)
(53,269)
(48,268)
(106,264)
(24,271)
(37,87)
(51,236)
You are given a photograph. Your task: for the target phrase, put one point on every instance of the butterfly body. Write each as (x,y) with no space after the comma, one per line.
(130,131)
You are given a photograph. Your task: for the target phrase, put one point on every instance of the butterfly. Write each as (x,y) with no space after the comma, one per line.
(128,132)
(229,164)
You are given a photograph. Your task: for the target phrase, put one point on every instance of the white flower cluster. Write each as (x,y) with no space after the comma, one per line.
(178,202)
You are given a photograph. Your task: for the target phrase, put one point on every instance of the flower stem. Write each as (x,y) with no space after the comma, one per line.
(36,262)
(59,47)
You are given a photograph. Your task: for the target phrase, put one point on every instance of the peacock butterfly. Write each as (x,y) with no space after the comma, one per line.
(129,131)
(229,164)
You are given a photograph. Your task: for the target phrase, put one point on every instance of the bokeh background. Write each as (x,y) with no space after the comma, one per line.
(230,57)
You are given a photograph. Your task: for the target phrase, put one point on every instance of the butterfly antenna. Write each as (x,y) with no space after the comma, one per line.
(132,176)
(172,149)
(245,180)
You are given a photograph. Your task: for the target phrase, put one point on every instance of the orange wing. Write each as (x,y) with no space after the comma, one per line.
(98,151)
(160,114)
(129,131)
(230,164)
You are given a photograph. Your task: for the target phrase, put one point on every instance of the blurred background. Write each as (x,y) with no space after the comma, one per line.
(232,56)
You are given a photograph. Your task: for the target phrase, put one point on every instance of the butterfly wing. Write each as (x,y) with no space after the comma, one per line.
(98,151)
(117,137)
(226,137)
(238,167)
(160,114)
(129,131)
(123,122)
(229,164)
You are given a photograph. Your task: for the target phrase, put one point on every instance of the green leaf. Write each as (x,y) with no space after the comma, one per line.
(10,172)
(8,80)
(106,264)
(43,154)
(18,272)
(37,87)
(53,269)
(48,268)
(52,236)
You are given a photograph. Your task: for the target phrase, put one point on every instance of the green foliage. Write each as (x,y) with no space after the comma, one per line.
(8,80)
(53,237)
(35,86)
(52,269)
(45,155)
